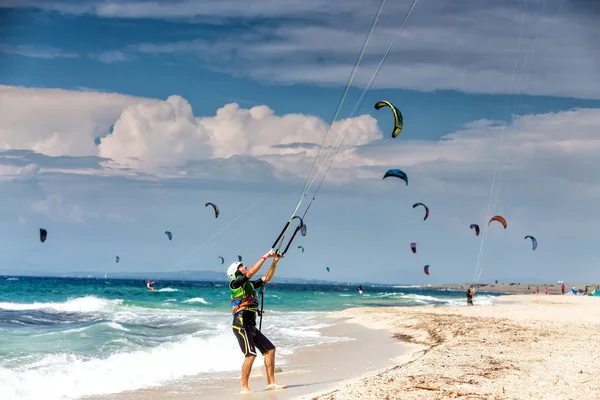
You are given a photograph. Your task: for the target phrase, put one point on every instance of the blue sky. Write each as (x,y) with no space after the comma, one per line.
(120,120)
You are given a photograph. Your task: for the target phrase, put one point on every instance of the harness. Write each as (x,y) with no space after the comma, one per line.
(244,298)
(246,302)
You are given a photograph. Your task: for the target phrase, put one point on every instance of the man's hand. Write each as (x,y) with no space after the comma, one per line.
(270,254)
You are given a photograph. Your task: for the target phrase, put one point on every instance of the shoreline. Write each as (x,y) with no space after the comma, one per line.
(309,370)
(515,288)
(521,347)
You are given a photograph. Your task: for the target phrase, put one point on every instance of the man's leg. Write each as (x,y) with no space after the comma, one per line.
(268,351)
(246,342)
(246,369)
(270,367)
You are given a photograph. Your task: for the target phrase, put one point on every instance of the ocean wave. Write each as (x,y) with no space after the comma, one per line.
(86,304)
(196,300)
(67,376)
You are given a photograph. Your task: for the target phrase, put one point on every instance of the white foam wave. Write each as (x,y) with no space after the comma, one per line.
(80,304)
(196,300)
(168,289)
(66,376)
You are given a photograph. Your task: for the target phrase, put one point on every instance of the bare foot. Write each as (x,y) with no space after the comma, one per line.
(275,386)
(245,391)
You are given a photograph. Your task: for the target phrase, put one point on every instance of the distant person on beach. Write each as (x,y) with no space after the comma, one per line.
(245,307)
(149,285)
(537,290)
(562,287)
(546,289)
(470,293)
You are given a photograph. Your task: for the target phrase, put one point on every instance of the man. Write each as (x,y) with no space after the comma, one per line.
(470,293)
(245,306)
(149,285)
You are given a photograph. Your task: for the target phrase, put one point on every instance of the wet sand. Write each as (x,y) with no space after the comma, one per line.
(309,370)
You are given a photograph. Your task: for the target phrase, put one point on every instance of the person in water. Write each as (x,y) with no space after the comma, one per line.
(360,290)
(245,307)
(149,285)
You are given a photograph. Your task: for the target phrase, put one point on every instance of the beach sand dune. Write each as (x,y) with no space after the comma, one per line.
(524,347)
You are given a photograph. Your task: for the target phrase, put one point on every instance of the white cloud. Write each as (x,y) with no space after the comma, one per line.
(545,47)
(54,207)
(164,139)
(9,172)
(180,8)
(110,57)
(475,47)
(29,173)
(154,136)
(36,52)
(166,135)
(58,122)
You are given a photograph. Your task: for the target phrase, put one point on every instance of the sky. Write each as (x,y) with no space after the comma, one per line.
(119,120)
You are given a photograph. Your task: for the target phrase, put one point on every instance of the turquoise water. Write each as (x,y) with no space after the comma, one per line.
(63,338)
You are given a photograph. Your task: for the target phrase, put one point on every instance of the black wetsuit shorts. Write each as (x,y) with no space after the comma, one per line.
(248,335)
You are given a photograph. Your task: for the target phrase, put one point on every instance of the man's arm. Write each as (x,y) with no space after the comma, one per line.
(252,271)
(241,280)
(269,275)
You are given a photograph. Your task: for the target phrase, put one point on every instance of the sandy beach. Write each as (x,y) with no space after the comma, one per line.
(523,347)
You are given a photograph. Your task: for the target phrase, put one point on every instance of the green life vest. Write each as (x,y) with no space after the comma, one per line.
(243,298)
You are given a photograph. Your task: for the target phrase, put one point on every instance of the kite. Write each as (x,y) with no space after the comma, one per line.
(413,247)
(396,173)
(426,269)
(169,235)
(476,227)
(398,118)
(43,235)
(215,207)
(533,241)
(499,219)
(426,209)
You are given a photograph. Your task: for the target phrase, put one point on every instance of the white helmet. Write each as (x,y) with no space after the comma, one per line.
(232,269)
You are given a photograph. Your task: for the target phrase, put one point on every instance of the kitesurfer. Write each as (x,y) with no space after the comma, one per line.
(149,285)
(245,307)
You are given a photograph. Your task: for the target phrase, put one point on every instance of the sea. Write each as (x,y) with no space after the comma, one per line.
(66,338)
